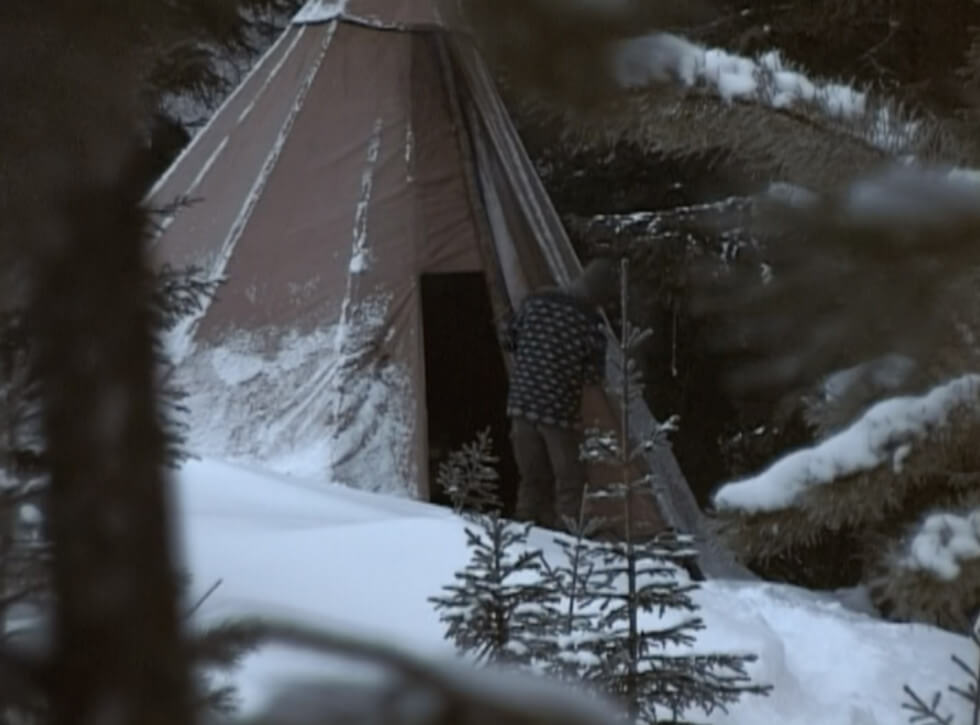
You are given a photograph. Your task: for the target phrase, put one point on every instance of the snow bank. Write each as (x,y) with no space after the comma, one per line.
(333,556)
(318,552)
(767,80)
(884,434)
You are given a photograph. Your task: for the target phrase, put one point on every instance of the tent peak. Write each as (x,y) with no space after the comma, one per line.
(380,14)
(320,11)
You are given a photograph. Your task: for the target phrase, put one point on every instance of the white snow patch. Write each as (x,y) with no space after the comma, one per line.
(968,176)
(319,11)
(898,459)
(359,262)
(792,194)
(840,100)
(916,194)
(234,367)
(31,514)
(658,58)
(942,542)
(907,191)
(179,340)
(335,557)
(360,254)
(791,86)
(731,75)
(878,437)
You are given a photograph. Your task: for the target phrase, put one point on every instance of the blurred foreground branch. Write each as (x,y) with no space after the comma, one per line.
(421,691)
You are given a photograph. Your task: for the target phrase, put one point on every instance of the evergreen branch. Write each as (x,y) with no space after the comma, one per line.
(969,671)
(225,644)
(203,598)
(457,695)
(22,593)
(223,699)
(923,712)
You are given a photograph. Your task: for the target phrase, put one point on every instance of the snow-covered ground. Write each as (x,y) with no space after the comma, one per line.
(330,555)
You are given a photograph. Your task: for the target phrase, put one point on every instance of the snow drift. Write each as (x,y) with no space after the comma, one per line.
(332,556)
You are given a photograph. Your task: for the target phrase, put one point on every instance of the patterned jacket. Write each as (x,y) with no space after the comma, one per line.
(559,347)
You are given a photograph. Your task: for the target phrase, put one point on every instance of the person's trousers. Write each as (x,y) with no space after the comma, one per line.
(552,472)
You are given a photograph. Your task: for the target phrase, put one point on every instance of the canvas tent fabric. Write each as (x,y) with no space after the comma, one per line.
(366,148)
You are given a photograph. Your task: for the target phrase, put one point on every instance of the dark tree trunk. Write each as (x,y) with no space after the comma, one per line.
(119,655)
(72,73)
(74,123)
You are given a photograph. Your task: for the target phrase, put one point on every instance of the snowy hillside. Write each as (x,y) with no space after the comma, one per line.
(331,555)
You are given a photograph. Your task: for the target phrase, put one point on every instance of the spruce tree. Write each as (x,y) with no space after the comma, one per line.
(631,615)
(570,576)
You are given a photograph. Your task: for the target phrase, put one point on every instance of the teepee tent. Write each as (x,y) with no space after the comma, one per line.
(366,159)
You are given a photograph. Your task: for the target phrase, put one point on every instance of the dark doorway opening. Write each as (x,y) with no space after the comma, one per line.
(466,380)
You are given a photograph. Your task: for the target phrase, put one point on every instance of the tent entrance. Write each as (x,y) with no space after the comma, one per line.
(466,380)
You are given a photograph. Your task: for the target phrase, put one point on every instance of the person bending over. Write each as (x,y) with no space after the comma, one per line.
(558,342)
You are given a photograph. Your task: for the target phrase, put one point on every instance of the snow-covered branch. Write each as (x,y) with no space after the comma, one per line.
(942,542)
(767,80)
(885,434)
(422,689)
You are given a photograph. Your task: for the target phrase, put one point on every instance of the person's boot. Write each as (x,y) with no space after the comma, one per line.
(531,504)
(568,504)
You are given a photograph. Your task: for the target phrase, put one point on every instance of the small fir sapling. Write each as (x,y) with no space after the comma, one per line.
(469,476)
(621,581)
(574,622)
(569,578)
(501,608)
